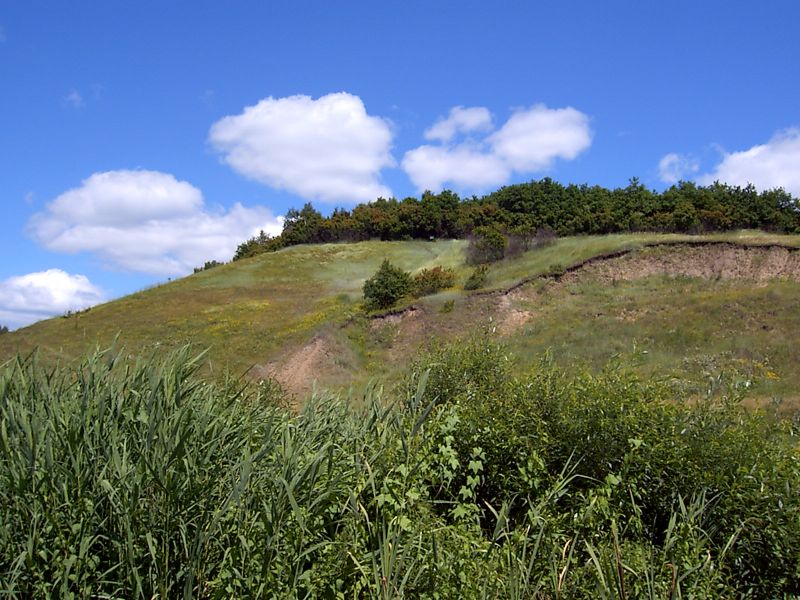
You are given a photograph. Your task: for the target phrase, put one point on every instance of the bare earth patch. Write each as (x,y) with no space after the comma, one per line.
(716,261)
(298,372)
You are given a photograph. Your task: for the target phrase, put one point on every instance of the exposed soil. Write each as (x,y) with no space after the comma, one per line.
(711,261)
(706,261)
(298,372)
(506,311)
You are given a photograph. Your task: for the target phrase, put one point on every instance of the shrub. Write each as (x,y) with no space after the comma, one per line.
(430,281)
(209,264)
(386,286)
(477,279)
(486,245)
(3,329)
(522,240)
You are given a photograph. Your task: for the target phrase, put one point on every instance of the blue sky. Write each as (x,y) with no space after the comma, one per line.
(140,139)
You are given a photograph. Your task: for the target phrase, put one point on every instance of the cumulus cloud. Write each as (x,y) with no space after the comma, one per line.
(25,299)
(674,167)
(429,167)
(327,149)
(145,221)
(766,166)
(460,120)
(530,141)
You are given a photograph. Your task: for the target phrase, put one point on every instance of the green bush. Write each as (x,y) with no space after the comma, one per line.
(477,278)
(486,245)
(144,480)
(430,281)
(386,286)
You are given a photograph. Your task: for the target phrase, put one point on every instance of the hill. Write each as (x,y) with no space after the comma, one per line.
(687,308)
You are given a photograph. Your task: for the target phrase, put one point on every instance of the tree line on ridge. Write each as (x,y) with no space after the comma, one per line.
(523,209)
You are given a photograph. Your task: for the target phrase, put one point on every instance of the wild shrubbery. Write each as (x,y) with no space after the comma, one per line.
(431,281)
(121,480)
(477,279)
(486,245)
(390,283)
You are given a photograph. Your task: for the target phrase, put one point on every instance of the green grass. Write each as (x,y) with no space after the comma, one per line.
(260,310)
(246,312)
(689,331)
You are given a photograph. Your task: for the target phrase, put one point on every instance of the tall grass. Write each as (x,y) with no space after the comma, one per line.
(123,480)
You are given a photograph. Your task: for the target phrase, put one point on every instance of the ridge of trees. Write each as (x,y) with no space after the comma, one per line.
(544,204)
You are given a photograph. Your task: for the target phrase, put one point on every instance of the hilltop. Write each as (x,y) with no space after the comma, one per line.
(686,308)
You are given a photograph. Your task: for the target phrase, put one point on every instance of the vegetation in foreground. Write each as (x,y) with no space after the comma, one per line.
(120,480)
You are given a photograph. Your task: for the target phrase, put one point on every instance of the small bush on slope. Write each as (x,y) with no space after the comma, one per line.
(386,286)
(486,245)
(430,281)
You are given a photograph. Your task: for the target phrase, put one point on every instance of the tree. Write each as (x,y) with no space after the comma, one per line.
(302,226)
(3,329)
(386,286)
(486,245)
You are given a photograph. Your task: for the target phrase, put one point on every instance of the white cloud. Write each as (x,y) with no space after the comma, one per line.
(766,166)
(460,120)
(674,167)
(327,149)
(73,99)
(25,299)
(430,167)
(530,141)
(145,221)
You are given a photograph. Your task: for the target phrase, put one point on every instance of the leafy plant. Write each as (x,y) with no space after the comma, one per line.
(430,281)
(386,286)
(121,479)
(486,245)
(477,278)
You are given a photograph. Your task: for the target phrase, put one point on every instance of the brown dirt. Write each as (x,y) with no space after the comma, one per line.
(298,372)
(707,261)
(507,311)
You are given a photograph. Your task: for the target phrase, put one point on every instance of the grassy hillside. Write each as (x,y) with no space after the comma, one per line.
(297,312)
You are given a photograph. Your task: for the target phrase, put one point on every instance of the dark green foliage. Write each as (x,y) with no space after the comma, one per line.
(477,278)
(430,281)
(209,264)
(258,245)
(386,287)
(637,460)
(541,206)
(486,245)
(3,329)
